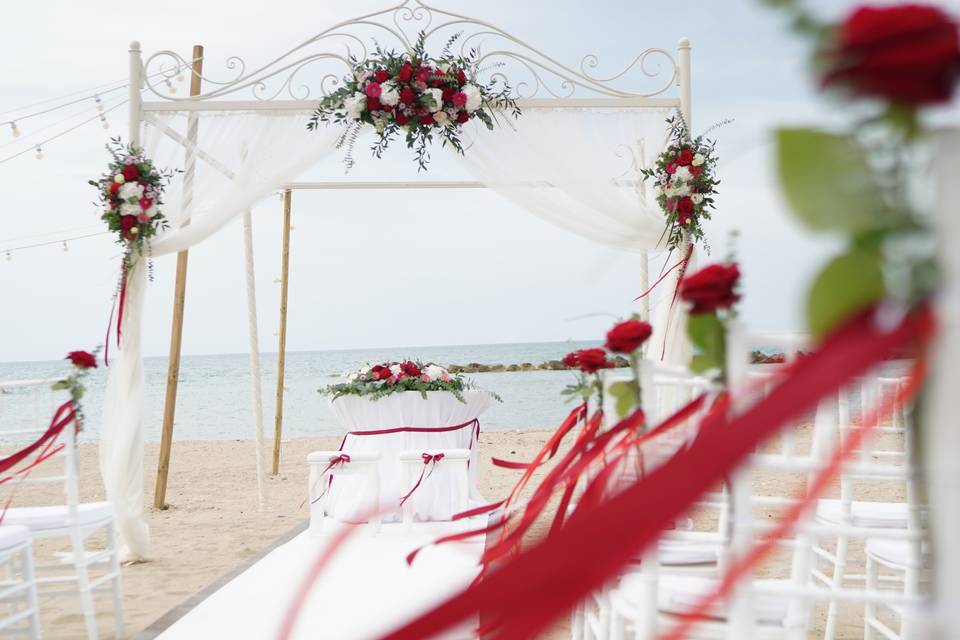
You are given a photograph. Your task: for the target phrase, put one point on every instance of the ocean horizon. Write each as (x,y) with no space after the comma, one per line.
(214,390)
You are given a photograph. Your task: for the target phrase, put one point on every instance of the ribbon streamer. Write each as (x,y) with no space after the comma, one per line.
(428,461)
(342,458)
(544,580)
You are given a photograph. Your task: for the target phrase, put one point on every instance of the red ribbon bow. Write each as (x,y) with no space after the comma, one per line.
(338,460)
(427,460)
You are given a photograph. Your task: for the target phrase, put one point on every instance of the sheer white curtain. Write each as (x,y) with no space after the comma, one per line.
(241,158)
(578,169)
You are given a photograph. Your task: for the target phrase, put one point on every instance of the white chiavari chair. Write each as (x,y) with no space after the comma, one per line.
(26,411)
(20,612)
(325,466)
(417,468)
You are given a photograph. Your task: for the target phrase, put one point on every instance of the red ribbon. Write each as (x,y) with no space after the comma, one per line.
(475,435)
(682,263)
(123,299)
(430,460)
(553,443)
(542,577)
(342,458)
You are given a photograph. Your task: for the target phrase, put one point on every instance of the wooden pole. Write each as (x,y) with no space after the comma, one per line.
(282,348)
(179,297)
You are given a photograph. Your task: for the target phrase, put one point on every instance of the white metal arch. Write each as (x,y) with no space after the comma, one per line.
(298,78)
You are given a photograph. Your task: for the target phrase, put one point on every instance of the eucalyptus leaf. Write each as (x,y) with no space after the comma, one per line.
(709,338)
(828,183)
(625,393)
(848,284)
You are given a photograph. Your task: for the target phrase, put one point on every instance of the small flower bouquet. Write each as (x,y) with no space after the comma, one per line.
(414,94)
(131,192)
(387,378)
(684,183)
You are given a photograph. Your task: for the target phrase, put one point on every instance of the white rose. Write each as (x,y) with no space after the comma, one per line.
(131,190)
(395,369)
(353,376)
(364,371)
(697,198)
(434,372)
(127,209)
(474,99)
(437,99)
(152,212)
(681,190)
(355,104)
(389,94)
(698,160)
(682,173)
(441,118)
(119,179)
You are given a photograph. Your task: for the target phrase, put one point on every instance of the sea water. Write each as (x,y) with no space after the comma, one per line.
(214,391)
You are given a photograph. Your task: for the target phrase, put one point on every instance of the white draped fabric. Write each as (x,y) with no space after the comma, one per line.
(576,168)
(437,497)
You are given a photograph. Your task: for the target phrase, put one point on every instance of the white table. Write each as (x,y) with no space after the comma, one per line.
(435,499)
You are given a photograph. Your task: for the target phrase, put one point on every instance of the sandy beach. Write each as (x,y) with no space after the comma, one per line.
(212,524)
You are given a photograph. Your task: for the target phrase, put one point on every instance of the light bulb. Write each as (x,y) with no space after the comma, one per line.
(9,256)
(65,247)
(179,77)
(104,123)
(14,130)
(39,153)
(99,103)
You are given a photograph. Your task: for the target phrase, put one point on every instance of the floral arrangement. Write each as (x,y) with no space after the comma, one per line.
(380,380)
(684,183)
(414,94)
(82,362)
(131,192)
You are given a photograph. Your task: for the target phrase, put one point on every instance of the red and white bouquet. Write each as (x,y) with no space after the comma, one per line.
(684,183)
(379,380)
(414,94)
(131,192)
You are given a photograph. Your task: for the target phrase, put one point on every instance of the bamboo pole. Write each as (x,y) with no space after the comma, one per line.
(282,348)
(179,298)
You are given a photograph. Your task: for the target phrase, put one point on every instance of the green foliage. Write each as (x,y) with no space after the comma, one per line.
(626,393)
(828,182)
(708,336)
(848,284)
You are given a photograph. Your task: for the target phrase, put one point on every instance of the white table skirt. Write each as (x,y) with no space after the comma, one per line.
(437,496)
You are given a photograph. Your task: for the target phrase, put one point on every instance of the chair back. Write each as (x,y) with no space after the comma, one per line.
(325,465)
(417,466)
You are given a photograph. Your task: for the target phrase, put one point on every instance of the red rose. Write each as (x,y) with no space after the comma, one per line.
(627,336)
(447,94)
(411,369)
(422,74)
(401,118)
(407,96)
(685,157)
(671,168)
(382,75)
(671,204)
(126,224)
(82,359)
(373,104)
(130,172)
(908,53)
(459,99)
(462,117)
(379,372)
(572,359)
(461,76)
(114,187)
(439,72)
(592,360)
(695,171)
(405,73)
(685,205)
(426,118)
(684,218)
(711,288)
(145,202)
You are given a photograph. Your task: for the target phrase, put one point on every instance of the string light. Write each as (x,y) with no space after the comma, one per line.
(103,121)
(65,247)
(170,86)
(9,256)
(96,98)
(14,130)
(39,155)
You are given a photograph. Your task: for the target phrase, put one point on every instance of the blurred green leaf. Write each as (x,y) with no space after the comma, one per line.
(708,337)
(625,392)
(827,181)
(848,284)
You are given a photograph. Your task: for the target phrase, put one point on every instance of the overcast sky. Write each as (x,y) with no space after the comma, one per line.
(492,273)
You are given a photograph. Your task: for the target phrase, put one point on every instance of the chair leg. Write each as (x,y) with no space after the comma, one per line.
(32,604)
(870,608)
(83,586)
(839,570)
(117,582)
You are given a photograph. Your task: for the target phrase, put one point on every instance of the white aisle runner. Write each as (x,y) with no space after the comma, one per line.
(366,590)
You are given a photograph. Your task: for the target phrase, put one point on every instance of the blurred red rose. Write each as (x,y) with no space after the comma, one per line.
(130,172)
(422,74)
(426,118)
(685,205)
(905,53)
(407,96)
(695,170)
(382,75)
(684,218)
(671,168)
(461,76)
(82,359)
(627,337)
(572,359)
(373,104)
(462,117)
(405,73)
(126,224)
(459,99)
(592,360)
(401,118)
(114,187)
(711,288)
(685,157)
(410,368)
